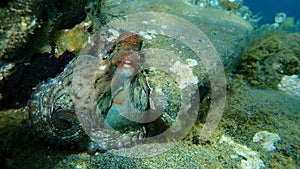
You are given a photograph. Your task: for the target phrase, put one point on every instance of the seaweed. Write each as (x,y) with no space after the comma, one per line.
(269,57)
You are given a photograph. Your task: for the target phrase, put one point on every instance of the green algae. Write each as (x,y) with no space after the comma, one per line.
(269,57)
(251,110)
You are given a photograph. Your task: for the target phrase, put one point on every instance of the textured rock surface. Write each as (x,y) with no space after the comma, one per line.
(290,85)
(227,31)
(269,57)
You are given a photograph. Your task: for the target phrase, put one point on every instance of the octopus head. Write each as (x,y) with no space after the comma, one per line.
(129,41)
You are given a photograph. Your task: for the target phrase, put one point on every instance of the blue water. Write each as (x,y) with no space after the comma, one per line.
(269,8)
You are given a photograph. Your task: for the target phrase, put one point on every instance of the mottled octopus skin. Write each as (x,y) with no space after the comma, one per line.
(52,114)
(44,104)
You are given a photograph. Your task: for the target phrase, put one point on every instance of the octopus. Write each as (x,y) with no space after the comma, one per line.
(113,96)
(104,98)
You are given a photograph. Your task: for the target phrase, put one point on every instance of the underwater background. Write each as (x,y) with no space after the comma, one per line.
(269,8)
(149,84)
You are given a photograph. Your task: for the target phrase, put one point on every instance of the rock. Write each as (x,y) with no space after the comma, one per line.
(250,159)
(290,85)
(266,139)
(227,31)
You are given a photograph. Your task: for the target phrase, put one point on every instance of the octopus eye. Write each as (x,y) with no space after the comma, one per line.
(63,119)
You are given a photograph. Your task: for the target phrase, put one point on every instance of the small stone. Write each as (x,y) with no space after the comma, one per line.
(290,85)
(250,158)
(266,139)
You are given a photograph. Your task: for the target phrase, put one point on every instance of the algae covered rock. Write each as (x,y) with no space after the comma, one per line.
(227,31)
(33,35)
(16,29)
(269,57)
(290,85)
(233,5)
(29,24)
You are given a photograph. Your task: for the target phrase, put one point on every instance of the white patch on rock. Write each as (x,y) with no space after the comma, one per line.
(290,85)
(183,75)
(191,62)
(115,36)
(250,159)
(266,139)
(103,67)
(147,35)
